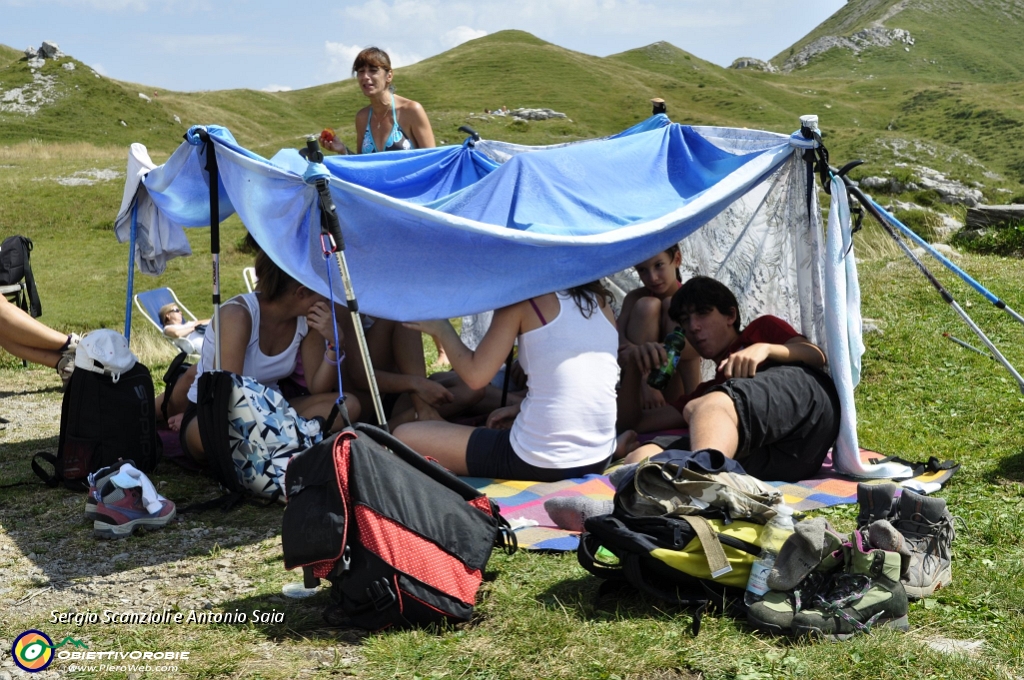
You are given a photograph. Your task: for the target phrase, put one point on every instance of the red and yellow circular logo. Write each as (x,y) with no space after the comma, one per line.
(32,651)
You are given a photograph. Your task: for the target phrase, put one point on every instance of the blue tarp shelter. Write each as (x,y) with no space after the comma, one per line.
(460,230)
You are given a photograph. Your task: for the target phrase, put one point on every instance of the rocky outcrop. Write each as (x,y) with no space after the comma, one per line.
(755,64)
(983,216)
(535,114)
(950,191)
(873,36)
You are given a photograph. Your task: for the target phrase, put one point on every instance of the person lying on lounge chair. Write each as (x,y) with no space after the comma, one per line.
(175,326)
(770,405)
(28,339)
(565,427)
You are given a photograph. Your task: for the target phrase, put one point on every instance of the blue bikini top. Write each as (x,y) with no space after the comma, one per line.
(396,141)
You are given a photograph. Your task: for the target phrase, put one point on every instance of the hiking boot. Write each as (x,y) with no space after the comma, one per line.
(120,512)
(775,611)
(98,480)
(865,595)
(927,527)
(876,501)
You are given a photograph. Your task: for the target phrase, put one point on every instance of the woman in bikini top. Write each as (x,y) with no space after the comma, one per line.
(390,122)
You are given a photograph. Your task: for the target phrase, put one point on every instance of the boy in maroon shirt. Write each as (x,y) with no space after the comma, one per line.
(769,406)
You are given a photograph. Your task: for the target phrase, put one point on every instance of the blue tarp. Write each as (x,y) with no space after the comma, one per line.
(439,233)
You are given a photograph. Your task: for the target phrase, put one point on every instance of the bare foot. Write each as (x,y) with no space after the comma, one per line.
(174,422)
(625,444)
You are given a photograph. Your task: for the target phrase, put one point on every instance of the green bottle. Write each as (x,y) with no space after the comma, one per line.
(674,344)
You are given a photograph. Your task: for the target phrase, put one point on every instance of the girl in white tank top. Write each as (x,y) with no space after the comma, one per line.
(566,425)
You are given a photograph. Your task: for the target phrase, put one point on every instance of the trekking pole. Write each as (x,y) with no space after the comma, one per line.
(211,169)
(330,229)
(966,345)
(987,294)
(872,208)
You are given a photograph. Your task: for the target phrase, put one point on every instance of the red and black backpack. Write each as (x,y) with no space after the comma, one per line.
(402,541)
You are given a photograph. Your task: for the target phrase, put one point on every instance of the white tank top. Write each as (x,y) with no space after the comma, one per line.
(568,417)
(257,365)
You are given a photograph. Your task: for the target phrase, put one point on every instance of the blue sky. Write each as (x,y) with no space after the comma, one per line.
(258,44)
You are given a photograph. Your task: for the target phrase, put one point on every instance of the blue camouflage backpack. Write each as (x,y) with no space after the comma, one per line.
(250,433)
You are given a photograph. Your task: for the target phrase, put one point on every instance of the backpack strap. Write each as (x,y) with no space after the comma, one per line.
(51,480)
(713,551)
(35,307)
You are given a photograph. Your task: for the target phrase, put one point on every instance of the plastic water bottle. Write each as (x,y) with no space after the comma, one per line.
(774,535)
(675,342)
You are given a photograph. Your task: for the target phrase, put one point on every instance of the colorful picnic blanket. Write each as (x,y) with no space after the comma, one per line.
(522,503)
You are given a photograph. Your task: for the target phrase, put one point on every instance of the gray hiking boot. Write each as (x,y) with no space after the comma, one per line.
(866,595)
(98,480)
(775,611)
(927,527)
(876,501)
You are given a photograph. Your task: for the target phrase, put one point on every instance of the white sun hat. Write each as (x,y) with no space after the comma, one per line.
(105,351)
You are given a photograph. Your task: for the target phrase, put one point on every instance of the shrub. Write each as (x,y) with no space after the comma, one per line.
(924,223)
(1005,240)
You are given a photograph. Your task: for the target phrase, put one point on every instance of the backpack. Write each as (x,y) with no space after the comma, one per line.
(249,434)
(681,533)
(15,265)
(402,541)
(101,421)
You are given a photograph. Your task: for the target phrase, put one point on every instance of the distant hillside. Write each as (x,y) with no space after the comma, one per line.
(978,41)
(9,54)
(961,114)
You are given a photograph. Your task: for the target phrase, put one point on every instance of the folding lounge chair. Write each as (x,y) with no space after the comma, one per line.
(150,302)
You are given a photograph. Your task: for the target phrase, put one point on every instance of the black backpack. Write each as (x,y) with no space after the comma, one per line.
(402,541)
(15,265)
(100,422)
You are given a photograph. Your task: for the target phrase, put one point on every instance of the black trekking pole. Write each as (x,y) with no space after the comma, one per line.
(870,206)
(214,178)
(330,229)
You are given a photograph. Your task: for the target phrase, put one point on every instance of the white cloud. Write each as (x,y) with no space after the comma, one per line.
(461,34)
(340,57)
(275,88)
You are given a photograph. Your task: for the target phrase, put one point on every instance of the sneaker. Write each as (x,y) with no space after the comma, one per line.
(120,512)
(927,526)
(865,595)
(775,611)
(876,501)
(98,480)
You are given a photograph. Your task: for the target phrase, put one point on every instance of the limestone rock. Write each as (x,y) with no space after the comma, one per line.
(755,64)
(70,66)
(536,114)
(50,50)
(873,36)
(31,52)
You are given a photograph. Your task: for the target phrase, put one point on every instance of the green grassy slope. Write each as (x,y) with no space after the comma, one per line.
(9,54)
(953,40)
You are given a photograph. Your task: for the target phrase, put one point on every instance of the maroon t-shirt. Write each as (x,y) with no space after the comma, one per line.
(768,328)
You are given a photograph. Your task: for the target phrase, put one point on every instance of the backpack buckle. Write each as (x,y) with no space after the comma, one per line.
(381,594)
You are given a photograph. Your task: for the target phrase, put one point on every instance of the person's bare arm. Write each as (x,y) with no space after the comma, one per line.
(744,363)
(361,117)
(237,326)
(477,368)
(419,128)
(179,330)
